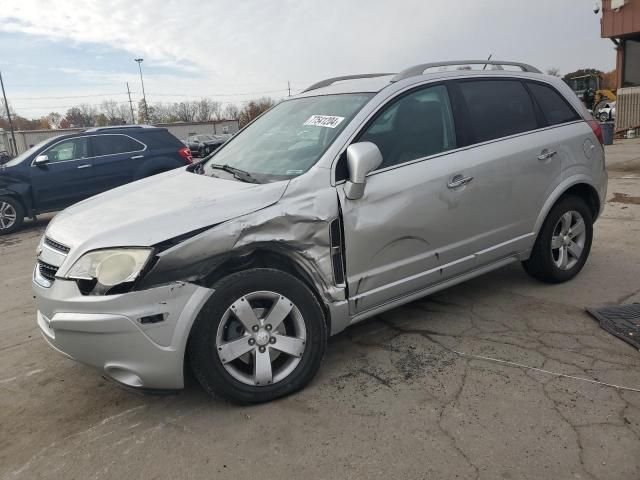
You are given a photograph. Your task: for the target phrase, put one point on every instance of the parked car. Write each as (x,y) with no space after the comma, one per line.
(203,145)
(607,112)
(63,170)
(245,262)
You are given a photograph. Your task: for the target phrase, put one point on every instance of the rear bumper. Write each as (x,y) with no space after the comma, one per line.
(110,333)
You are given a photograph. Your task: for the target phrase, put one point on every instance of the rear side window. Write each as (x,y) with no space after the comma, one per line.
(498,108)
(554,108)
(160,139)
(112,144)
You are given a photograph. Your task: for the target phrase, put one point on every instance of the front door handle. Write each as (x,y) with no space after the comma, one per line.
(459,181)
(546,154)
(86,165)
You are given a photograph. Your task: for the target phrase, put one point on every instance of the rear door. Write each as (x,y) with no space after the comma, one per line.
(115,160)
(507,131)
(63,180)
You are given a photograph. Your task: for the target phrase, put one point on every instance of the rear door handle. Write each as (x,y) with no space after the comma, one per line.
(546,154)
(459,181)
(136,157)
(86,165)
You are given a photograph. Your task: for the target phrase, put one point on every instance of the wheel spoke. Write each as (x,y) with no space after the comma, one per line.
(577,229)
(3,207)
(564,257)
(2,224)
(290,345)
(556,242)
(566,222)
(234,349)
(278,312)
(243,311)
(262,367)
(575,250)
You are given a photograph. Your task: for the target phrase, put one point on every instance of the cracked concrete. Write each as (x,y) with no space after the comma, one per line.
(418,392)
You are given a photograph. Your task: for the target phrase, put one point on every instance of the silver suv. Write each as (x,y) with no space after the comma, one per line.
(358,195)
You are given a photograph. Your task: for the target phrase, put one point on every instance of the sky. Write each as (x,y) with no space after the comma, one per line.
(55,54)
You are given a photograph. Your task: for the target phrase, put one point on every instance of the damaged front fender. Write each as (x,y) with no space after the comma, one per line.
(296,227)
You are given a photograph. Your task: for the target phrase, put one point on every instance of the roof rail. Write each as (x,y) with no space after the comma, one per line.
(419,69)
(331,81)
(117,127)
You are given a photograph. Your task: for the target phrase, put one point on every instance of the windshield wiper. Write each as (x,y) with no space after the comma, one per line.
(242,175)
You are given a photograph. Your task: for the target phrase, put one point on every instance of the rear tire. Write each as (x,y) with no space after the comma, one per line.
(11,215)
(564,242)
(257,362)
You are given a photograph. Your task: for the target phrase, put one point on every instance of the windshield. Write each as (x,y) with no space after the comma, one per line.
(20,158)
(288,139)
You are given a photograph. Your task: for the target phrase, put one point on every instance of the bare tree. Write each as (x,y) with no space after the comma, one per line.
(231,112)
(185,111)
(207,109)
(53,119)
(254,109)
(553,71)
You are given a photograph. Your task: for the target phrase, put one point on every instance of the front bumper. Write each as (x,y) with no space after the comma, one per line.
(111,332)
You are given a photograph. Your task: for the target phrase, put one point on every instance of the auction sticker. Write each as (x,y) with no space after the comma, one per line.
(329,121)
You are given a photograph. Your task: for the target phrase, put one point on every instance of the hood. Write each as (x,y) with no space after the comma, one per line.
(158,208)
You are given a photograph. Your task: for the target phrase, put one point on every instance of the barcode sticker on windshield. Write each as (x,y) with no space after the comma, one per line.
(329,121)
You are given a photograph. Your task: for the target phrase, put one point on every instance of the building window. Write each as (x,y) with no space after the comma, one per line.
(631,70)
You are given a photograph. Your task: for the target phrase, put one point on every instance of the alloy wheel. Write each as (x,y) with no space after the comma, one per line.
(7,215)
(261,338)
(567,242)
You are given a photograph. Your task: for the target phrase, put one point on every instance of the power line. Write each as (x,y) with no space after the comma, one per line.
(71,96)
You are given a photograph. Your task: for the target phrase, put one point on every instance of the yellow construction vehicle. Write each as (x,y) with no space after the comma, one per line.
(588,89)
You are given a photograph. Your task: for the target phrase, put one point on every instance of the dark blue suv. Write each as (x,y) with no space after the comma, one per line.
(63,170)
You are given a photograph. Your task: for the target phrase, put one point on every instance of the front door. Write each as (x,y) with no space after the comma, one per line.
(62,181)
(427,210)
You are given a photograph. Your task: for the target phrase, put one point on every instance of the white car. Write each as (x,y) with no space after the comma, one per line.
(607,112)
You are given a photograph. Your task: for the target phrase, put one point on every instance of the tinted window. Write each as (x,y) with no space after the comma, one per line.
(415,126)
(159,139)
(73,149)
(111,144)
(498,108)
(554,108)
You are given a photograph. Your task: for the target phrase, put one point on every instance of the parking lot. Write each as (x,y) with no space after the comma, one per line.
(501,377)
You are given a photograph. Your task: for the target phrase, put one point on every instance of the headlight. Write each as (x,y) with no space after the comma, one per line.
(110,267)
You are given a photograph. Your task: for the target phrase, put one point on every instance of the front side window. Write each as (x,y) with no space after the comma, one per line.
(73,149)
(554,108)
(498,108)
(289,139)
(415,126)
(112,144)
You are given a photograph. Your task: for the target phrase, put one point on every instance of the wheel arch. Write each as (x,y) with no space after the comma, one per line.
(580,186)
(265,257)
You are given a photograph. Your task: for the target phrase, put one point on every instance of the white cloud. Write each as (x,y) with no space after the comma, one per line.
(253,45)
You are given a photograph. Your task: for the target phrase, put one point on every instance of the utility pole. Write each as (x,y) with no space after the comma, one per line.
(144,96)
(6,105)
(485,65)
(289,87)
(133,118)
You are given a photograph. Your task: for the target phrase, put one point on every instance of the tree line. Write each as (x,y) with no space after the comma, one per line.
(111,113)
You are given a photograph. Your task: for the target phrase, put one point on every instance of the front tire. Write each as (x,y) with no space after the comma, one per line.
(11,215)
(564,242)
(260,336)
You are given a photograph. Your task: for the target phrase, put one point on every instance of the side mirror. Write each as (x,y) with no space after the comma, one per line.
(362,158)
(41,160)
